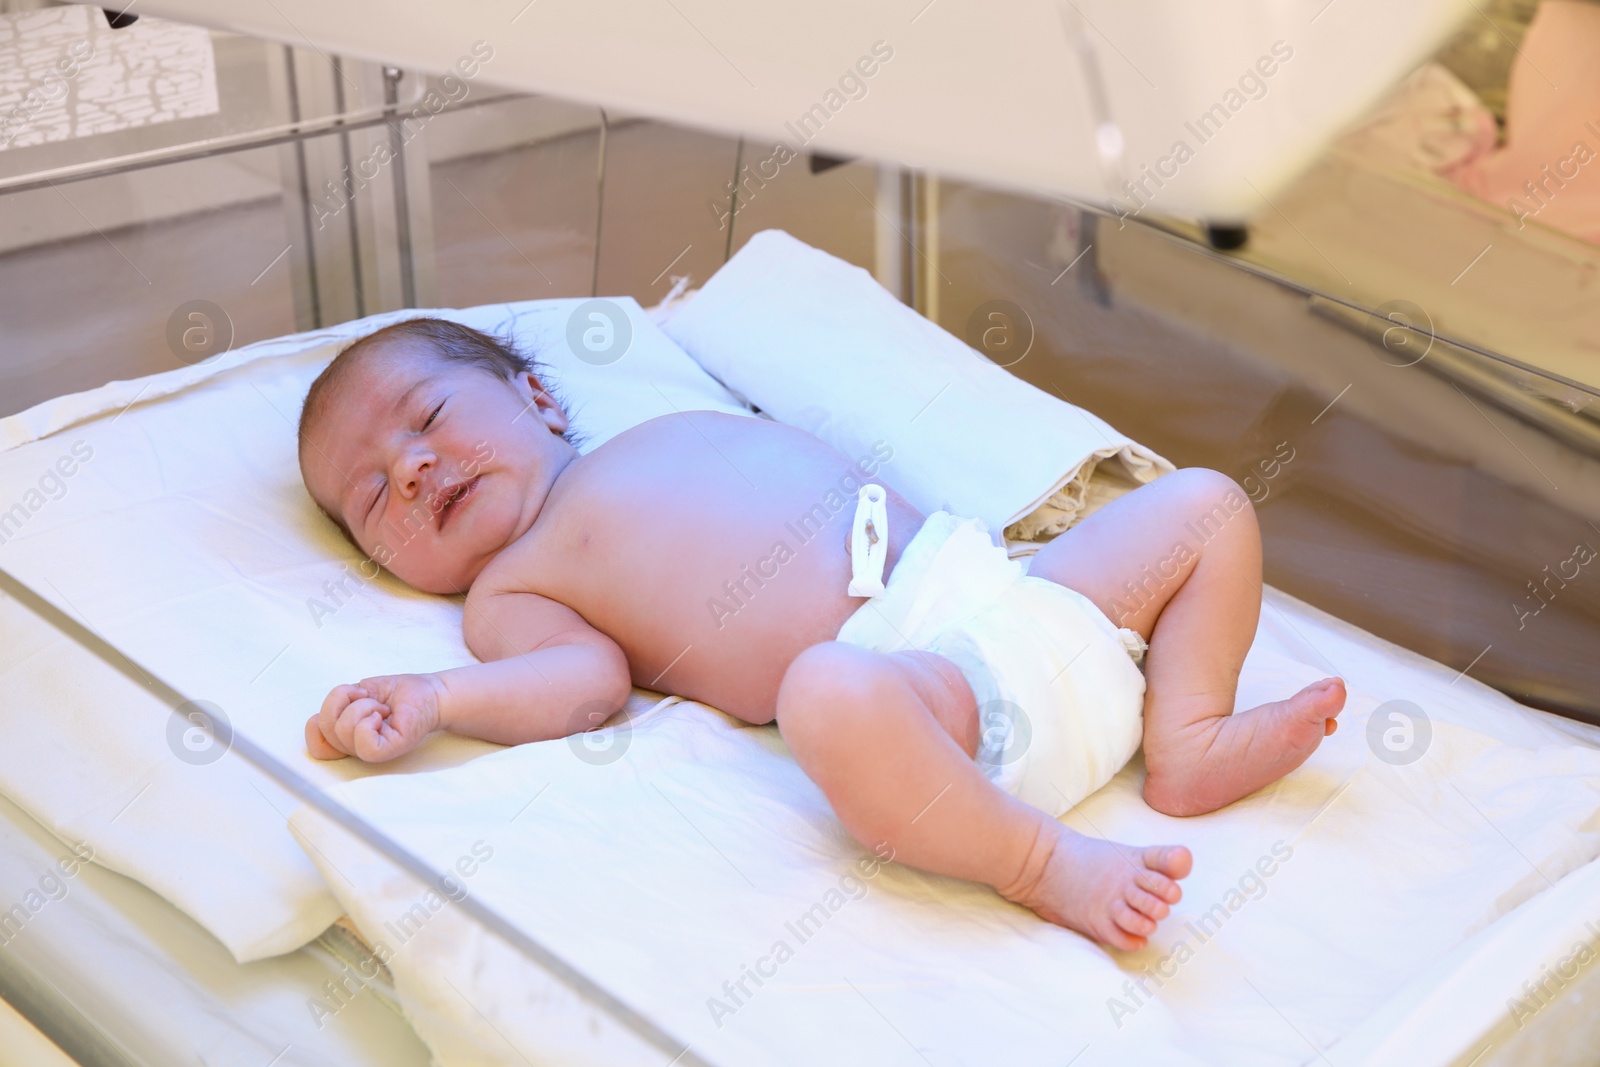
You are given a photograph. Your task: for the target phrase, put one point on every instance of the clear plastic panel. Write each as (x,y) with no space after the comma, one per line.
(515,201)
(1437,496)
(93,270)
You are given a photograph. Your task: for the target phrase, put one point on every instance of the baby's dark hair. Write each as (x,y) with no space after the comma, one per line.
(450,342)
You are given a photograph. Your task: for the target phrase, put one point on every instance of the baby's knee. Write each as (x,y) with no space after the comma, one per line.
(1212,502)
(1203,485)
(827,682)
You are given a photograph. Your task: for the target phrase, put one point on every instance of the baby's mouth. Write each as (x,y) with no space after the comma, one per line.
(457,498)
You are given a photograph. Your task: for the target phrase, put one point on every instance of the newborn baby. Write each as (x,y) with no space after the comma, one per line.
(439,453)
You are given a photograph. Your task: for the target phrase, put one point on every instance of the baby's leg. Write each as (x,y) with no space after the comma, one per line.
(1179,560)
(890,740)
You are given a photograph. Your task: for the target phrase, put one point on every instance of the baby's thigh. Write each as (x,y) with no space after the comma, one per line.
(945,692)
(1130,557)
(844,693)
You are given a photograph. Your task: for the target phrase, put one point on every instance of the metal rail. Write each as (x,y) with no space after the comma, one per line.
(290,133)
(1174,232)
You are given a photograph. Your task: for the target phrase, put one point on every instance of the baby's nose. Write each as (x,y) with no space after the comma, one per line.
(412,474)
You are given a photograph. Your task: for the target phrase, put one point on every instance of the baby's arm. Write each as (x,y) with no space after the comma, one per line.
(546,673)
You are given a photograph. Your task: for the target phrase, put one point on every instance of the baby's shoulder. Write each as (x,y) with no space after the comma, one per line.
(498,576)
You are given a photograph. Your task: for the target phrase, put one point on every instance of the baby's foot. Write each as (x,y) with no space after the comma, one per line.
(1114,894)
(1311,714)
(1239,754)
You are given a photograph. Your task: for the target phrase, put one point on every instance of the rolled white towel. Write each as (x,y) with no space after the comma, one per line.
(817,343)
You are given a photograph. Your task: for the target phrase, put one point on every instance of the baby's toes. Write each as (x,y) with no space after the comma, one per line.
(1321,700)
(1114,936)
(1174,861)
(1128,942)
(1131,921)
(1159,885)
(1148,904)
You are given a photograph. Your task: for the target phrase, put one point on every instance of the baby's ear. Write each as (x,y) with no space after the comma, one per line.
(544,405)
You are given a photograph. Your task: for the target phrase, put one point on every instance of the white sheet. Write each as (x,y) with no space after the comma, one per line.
(184,536)
(670,869)
(665,872)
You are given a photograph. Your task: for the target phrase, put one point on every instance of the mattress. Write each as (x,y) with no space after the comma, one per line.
(116,975)
(1393,901)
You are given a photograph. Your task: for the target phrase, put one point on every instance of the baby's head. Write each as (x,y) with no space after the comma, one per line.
(432,446)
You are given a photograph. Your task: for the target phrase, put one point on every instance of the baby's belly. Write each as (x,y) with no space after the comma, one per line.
(732,645)
(729,563)
(725,627)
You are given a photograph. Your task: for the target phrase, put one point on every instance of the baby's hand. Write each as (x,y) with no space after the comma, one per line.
(377,719)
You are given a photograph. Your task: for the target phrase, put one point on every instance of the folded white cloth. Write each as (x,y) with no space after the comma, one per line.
(816,343)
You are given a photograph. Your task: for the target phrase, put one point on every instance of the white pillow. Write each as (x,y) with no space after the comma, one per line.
(178,528)
(817,343)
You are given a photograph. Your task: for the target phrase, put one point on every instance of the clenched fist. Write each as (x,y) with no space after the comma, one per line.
(376,719)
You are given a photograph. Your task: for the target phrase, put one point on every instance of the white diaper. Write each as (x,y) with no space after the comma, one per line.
(1060,694)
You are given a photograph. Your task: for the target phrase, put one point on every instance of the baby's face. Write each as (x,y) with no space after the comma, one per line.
(433,466)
